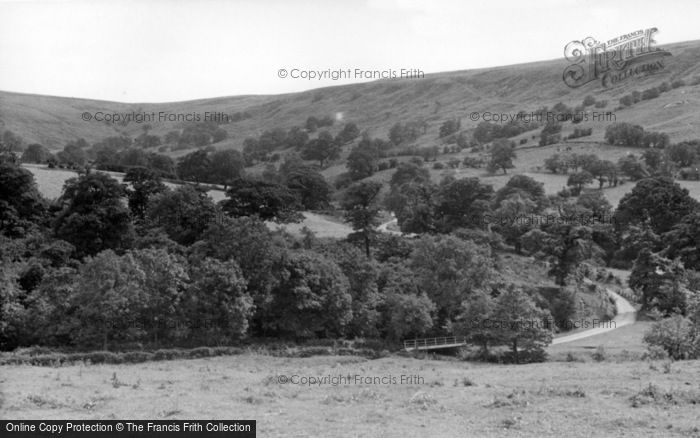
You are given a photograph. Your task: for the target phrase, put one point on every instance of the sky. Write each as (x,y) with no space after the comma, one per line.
(174,50)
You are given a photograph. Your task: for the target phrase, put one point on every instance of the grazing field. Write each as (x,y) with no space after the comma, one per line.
(321,225)
(446,398)
(51,181)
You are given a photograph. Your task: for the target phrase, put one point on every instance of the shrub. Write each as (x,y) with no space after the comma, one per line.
(676,336)
(677,83)
(200,352)
(137,357)
(599,355)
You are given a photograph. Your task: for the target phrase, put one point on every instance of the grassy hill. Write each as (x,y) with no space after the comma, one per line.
(376,106)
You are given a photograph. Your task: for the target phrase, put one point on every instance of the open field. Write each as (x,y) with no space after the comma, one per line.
(51,181)
(447,398)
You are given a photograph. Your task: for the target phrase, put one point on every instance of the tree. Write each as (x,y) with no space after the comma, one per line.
(565,244)
(51,305)
(13,313)
(144,183)
(111,301)
(555,164)
(449,127)
(362,211)
(405,133)
(683,241)
(520,324)
(409,316)
(633,167)
(633,240)
(362,161)
(321,149)
(194,166)
(267,200)
(596,203)
(362,274)
(35,153)
(473,321)
(624,134)
(249,243)
(449,269)
(12,142)
(147,141)
(311,299)
(132,298)
(578,181)
(162,164)
(525,186)
(502,156)
(462,203)
(163,284)
(684,154)
(133,157)
(21,204)
(660,200)
(183,213)
(297,137)
(72,155)
(409,172)
(349,133)
(413,203)
(512,219)
(217,305)
(599,169)
(309,186)
(93,217)
(661,282)
(653,158)
(551,133)
(226,166)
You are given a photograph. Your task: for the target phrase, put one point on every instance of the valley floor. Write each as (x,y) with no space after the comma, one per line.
(444,398)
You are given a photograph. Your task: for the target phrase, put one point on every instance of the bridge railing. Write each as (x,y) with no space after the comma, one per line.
(412,344)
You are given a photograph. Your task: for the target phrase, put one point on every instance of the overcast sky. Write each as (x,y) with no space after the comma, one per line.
(169,50)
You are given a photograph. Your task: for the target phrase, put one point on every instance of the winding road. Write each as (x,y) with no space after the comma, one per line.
(626,315)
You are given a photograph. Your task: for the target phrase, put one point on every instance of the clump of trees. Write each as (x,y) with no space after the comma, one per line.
(401,133)
(627,134)
(650,93)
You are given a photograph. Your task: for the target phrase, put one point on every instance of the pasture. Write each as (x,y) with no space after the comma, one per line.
(444,398)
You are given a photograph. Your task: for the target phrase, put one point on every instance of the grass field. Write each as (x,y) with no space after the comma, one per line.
(50,181)
(446,398)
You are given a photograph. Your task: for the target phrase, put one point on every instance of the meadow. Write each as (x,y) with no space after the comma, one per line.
(445,397)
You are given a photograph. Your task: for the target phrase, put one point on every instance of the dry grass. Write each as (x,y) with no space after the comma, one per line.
(554,399)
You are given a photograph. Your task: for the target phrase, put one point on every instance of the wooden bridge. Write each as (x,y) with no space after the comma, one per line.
(434,343)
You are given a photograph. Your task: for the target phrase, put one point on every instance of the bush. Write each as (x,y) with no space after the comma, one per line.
(200,352)
(599,354)
(137,357)
(676,336)
(343,180)
(313,351)
(677,83)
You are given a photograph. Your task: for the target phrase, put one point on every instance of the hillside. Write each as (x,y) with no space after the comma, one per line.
(376,106)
